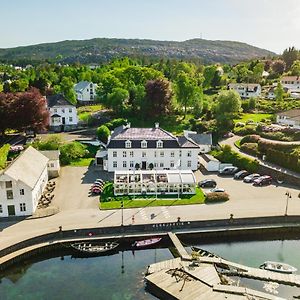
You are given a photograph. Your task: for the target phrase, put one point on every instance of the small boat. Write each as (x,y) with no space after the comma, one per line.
(146,243)
(278,267)
(95,249)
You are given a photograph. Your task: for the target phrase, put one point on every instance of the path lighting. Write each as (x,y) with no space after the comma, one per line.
(122,216)
(288,196)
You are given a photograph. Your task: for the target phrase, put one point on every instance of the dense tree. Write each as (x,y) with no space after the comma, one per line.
(279,92)
(118,100)
(103,133)
(158,97)
(278,66)
(295,69)
(289,56)
(209,74)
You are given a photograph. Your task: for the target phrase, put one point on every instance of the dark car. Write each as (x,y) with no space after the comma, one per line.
(207,183)
(240,175)
(228,170)
(263,180)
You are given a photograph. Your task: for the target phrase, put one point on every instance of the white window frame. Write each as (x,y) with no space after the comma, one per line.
(70,110)
(128,144)
(1,209)
(143,144)
(162,154)
(124,164)
(159,144)
(70,119)
(115,154)
(22,207)
(131,164)
(189,163)
(172,154)
(172,164)
(22,192)
(115,164)
(144,154)
(189,153)
(124,154)
(131,154)
(161,165)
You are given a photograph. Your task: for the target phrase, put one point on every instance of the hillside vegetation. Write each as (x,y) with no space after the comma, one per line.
(103,49)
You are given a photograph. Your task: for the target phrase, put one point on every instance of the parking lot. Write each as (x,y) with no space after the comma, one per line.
(247,196)
(73,186)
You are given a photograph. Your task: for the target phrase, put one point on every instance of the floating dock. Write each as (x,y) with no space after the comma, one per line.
(207,278)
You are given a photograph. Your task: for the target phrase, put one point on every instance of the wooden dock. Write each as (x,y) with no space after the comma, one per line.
(206,278)
(179,247)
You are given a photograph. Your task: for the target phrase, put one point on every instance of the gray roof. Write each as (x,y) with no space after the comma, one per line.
(151,135)
(292,113)
(51,154)
(58,100)
(201,138)
(81,85)
(28,167)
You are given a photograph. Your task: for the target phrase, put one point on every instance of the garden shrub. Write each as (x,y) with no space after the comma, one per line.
(111,125)
(246,130)
(3,155)
(216,197)
(279,136)
(250,148)
(103,133)
(107,192)
(287,160)
(252,138)
(71,151)
(53,142)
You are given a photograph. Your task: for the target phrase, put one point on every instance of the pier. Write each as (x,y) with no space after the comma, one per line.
(192,277)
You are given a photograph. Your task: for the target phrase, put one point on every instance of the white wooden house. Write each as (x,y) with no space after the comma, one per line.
(22,183)
(246,90)
(63,114)
(289,118)
(147,148)
(53,165)
(85,92)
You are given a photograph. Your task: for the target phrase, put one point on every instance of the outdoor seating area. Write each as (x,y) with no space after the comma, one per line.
(47,196)
(153,182)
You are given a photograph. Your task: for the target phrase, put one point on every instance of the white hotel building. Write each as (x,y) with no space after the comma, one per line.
(148,148)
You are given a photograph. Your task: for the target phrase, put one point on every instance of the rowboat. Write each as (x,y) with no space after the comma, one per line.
(146,243)
(278,267)
(94,249)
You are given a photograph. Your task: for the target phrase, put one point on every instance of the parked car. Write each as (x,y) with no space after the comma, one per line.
(207,183)
(241,174)
(96,190)
(228,135)
(228,170)
(263,180)
(251,177)
(217,190)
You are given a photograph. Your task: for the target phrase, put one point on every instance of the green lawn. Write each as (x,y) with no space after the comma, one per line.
(145,201)
(254,117)
(81,162)
(238,143)
(84,112)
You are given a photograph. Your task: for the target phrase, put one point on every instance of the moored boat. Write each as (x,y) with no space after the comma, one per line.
(278,267)
(89,248)
(146,243)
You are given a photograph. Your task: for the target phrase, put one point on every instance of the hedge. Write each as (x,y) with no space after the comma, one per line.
(246,130)
(216,197)
(287,160)
(250,148)
(3,155)
(252,138)
(228,156)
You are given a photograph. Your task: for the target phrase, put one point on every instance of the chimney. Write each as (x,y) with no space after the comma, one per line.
(156,125)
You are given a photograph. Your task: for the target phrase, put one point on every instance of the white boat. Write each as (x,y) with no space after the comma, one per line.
(278,267)
(146,243)
(94,249)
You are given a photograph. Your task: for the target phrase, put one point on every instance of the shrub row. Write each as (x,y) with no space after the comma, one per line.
(228,156)
(216,197)
(246,130)
(287,160)
(264,146)
(252,138)
(250,148)
(3,155)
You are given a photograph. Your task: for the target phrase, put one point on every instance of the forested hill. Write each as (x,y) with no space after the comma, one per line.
(103,49)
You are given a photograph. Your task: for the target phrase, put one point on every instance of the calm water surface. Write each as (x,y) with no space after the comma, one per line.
(105,278)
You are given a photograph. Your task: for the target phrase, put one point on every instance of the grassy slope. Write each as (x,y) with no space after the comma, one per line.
(254,117)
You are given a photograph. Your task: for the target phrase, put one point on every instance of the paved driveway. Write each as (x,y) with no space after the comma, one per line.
(73,185)
(243,194)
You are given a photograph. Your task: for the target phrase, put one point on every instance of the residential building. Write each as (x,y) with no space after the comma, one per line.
(53,165)
(271,92)
(246,90)
(292,83)
(63,114)
(203,140)
(85,92)
(290,118)
(22,183)
(154,182)
(148,148)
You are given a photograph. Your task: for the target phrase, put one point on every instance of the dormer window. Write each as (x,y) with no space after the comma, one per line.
(144,144)
(159,144)
(128,144)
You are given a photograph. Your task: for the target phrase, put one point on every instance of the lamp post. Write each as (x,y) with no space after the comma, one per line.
(288,196)
(122,217)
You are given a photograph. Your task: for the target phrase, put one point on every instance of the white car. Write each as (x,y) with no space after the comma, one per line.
(251,177)
(217,190)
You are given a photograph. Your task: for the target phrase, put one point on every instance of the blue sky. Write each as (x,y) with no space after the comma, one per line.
(270,24)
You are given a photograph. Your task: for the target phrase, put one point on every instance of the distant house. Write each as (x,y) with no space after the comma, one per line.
(63,114)
(53,163)
(292,83)
(22,184)
(203,140)
(271,92)
(85,92)
(246,90)
(290,118)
